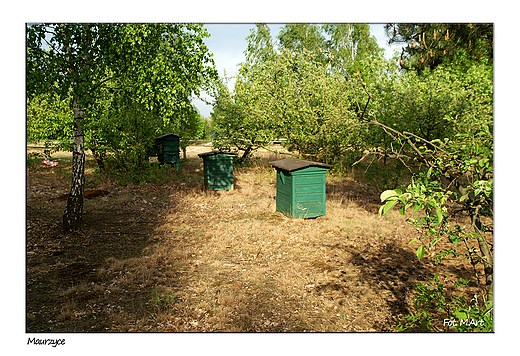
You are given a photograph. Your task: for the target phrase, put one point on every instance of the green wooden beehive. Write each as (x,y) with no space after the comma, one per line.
(300,187)
(168,149)
(218,170)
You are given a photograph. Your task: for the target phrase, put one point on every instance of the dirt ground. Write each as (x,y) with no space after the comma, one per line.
(173,258)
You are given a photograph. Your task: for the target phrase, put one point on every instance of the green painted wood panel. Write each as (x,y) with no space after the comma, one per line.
(168,149)
(301,193)
(218,170)
(284,193)
(300,187)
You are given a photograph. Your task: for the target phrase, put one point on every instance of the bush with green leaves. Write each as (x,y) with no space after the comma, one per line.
(459,180)
(437,309)
(136,172)
(49,120)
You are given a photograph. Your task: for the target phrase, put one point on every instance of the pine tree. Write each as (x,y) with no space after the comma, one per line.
(429,45)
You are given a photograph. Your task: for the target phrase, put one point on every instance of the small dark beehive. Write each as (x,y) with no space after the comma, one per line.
(218,170)
(168,149)
(300,187)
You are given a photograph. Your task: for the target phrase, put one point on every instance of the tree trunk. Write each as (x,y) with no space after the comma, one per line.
(74,209)
(246,154)
(487,256)
(99,156)
(474,213)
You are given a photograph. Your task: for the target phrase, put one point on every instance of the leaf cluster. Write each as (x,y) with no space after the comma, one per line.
(430,45)
(459,179)
(436,309)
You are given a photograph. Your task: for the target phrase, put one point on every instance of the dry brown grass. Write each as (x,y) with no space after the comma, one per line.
(178,258)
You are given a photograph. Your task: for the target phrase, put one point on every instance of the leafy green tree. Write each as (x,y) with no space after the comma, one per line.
(298,37)
(234,117)
(296,94)
(344,46)
(49,120)
(73,64)
(351,46)
(456,172)
(157,87)
(297,98)
(260,45)
(238,121)
(159,66)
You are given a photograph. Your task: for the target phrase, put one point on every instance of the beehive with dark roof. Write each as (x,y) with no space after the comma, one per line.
(167,147)
(218,170)
(300,187)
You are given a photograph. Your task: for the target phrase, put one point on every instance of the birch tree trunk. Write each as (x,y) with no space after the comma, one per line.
(74,209)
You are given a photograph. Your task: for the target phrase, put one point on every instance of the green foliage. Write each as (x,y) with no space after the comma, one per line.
(426,195)
(135,83)
(296,93)
(436,105)
(345,46)
(435,310)
(470,170)
(351,46)
(291,97)
(307,106)
(125,171)
(459,179)
(172,64)
(451,137)
(297,38)
(430,45)
(162,299)
(236,125)
(260,46)
(49,120)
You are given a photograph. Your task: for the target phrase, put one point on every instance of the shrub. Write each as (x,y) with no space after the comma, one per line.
(434,310)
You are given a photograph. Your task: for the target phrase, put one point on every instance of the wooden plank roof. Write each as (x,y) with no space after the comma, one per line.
(292,164)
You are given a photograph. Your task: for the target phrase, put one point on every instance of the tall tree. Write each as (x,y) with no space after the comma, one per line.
(351,45)
(429,45)
(298,37)
(75,62)
(165,63)
(260,45)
